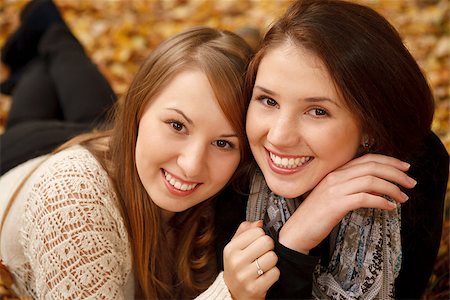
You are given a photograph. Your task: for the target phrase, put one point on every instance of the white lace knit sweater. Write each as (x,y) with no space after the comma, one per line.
(64,237)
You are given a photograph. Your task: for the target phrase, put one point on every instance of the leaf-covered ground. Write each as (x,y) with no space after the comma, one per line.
(118,34)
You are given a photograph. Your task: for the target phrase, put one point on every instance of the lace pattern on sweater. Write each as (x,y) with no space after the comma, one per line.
(73,234)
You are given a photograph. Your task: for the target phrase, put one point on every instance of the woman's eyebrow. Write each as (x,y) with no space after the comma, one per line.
(309,99)
(232,135)
(182,114)
(267,91)
(321,99)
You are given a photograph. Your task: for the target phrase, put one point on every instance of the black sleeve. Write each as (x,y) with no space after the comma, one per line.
(422,218)
(296,274)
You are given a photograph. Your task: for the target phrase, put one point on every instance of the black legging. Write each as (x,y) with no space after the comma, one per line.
(60,95)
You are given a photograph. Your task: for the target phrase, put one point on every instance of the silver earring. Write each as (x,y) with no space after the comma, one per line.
(368,142)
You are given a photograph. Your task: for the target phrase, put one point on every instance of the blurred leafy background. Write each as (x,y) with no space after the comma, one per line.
(118,34)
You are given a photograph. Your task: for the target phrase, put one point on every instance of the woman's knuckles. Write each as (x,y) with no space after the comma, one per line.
(267,242)
(332,178)
(228,250)
(252,289)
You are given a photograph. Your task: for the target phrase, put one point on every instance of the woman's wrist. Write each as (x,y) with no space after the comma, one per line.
(291,238)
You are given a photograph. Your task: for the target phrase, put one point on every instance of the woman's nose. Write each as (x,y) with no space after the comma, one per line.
(192,160)
(283,132)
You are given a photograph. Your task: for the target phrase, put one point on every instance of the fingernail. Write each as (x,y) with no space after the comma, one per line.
(404,197)
(406,165)
(259,222)
(412,181)
(392,204)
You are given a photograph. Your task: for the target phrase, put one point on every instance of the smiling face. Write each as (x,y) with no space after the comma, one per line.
(186,150)
(298,126)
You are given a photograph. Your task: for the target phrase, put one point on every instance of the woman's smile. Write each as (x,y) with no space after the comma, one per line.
(287,164)
(177,186)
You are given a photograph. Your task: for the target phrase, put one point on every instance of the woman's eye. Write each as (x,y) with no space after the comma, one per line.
(177,126)
(318,112)
(271,102)
(223,144)
(267,101)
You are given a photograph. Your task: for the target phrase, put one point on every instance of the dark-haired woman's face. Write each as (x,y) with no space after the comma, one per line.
(297,124)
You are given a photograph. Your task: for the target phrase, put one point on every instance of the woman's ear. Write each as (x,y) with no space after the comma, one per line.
(366,142)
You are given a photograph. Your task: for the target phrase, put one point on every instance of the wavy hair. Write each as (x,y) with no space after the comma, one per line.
(223,57)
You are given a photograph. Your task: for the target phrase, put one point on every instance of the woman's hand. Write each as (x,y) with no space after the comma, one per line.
(361,183)
(249,248)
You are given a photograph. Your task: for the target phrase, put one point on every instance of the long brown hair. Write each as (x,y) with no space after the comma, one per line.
(223,57)
(376,75)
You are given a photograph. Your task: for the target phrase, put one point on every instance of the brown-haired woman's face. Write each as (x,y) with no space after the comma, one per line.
(186,150)
(297,124)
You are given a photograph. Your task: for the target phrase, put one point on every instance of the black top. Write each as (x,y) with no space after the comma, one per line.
(422,218)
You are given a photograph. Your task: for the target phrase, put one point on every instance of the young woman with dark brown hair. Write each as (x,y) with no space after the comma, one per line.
(339,125)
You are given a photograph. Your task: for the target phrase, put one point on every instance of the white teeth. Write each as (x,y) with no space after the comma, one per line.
(177,184)
(277,160)
(289,163)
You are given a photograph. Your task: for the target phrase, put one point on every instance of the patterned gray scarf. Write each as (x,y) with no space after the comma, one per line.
(365,248)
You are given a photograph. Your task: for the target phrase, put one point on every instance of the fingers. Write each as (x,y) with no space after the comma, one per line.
(258,248)
(271,273)
(375,185)
(244,226)
(361,183)
(244,239)
(384,167)
(384,171)
(250,282)
(247,247)
(269,278)
(244,248)
(371,201)
(375,174)
(241,276)
(382,159)
(267,262)
(257,288)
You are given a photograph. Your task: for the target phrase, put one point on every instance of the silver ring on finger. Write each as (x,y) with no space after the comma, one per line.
(259,270)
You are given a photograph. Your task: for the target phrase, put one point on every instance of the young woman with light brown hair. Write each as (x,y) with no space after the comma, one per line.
(128,212)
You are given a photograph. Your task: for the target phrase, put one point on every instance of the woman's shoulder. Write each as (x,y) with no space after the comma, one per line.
(71,186)
(76,157)
(71,205)
(68,181)
(70,170)
(73,165)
